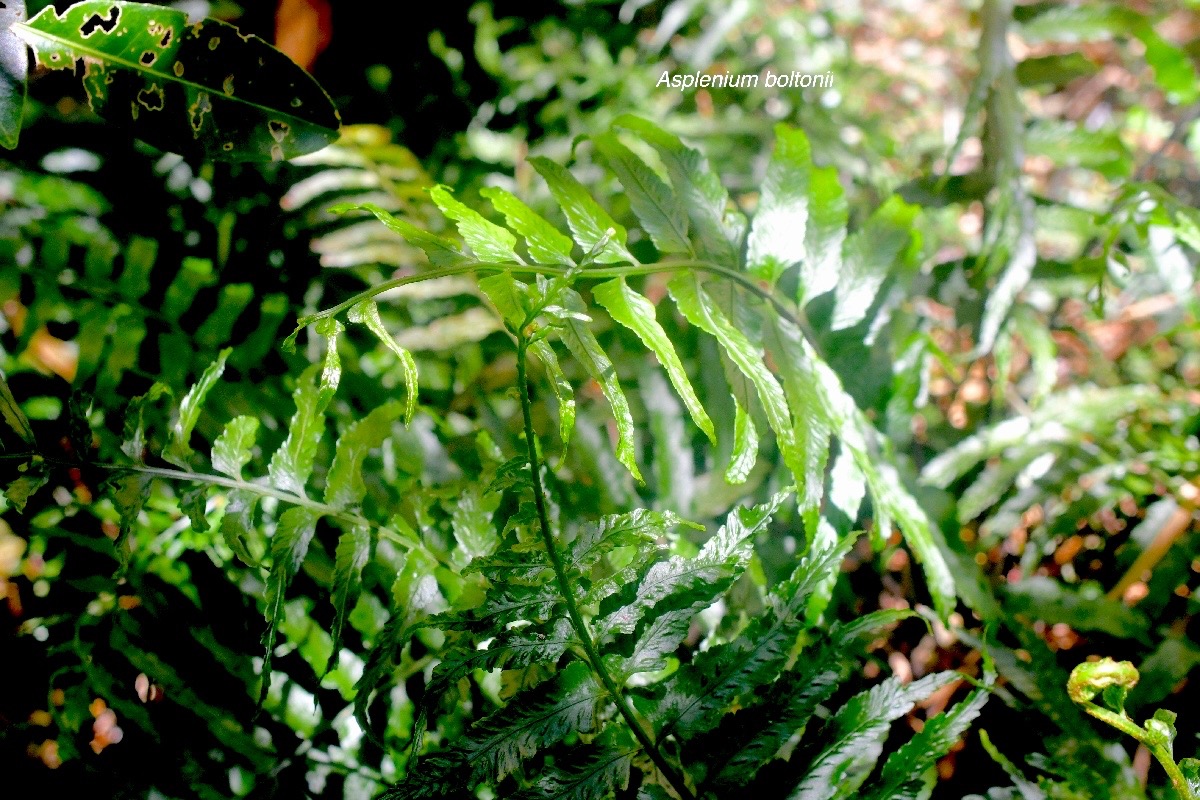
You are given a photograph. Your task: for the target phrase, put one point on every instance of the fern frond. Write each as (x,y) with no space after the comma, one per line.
(534,720)
(858,731)
(603,767)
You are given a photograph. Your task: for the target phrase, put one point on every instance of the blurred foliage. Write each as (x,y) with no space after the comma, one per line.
(1026,354)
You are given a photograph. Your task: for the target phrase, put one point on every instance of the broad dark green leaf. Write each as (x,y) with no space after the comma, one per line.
(14,66)
(353,549)
(595,231)
(638,314)
(655,205)
(232,449)
(344,485)
(487,240)
(13,416)
(779,228)
(367,313)
(179,448)
(582,343)
(204,88)
(545,244)
(289,546)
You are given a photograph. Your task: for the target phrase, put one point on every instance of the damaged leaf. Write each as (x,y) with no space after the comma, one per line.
(202,88)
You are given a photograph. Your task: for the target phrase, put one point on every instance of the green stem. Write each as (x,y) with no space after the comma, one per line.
(567,591)
(747,282)
(1163,754)
(257,488)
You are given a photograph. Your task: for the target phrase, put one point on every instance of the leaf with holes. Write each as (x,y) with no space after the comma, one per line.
(14,66)
(205,88)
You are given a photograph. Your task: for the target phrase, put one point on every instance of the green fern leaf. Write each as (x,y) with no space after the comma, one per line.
(700,310)
(331,368)
(563,392)
(533,644)
(655,205)
(582,343)
(179,448)
(293,461)
(594,230)
(858,732)
(871,255)
(130,493)
(509,296)
(824,235)
(471,521)
(786,343)
(847,487)
(133,442)
(289,546)
(353,550)
(638,314)
(440,252)
(193,502)
(344,485)
(532,721)
(18,491)
(415,595)
(745,446)
(232,449)
(367,313)
(778,232)
(507,604)
(487,240)
(545,244)
(891,500)
(639,528)
(790,702)
(693,583)
(909,773)
(194,274)
(506,566)
(604,768)
(238,523)
(700,692)
(718,227)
